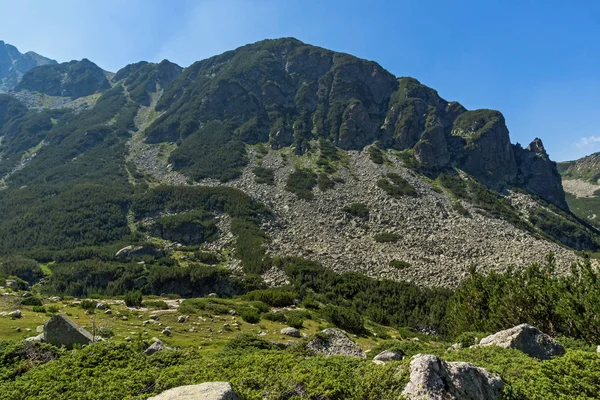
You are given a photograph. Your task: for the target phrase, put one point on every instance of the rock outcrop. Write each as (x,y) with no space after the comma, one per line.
(526,338)
(61,331)
(204,391)
(334,342)
(432,378)
(538,174)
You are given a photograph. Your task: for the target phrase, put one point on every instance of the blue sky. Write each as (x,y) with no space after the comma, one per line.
(536,61)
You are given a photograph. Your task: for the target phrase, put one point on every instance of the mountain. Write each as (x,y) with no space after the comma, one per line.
(581,182)
(272,150)
(13,65)
(72,79)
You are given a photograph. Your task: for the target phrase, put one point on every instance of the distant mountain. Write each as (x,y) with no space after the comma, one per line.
(275,149)
(71,79)
(581,181)
(13,65)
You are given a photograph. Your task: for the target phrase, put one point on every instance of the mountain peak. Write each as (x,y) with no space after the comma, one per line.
(13,65)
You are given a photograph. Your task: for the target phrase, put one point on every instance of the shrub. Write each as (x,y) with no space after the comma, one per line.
(105,332)
(156,304)
(324,182)
(38,309)
(295,322)
(274,316)
(344,318)
(310,302)
(468,339)
(398,264)
(206,257)
(301,182)
(31,301)
(248,341)
(52,309)
(133,299)
(387,237)
(358,210)
(251,316)
(376,155)
(396,186)
(273,297)
(87,304)
(264,175)
(260,306)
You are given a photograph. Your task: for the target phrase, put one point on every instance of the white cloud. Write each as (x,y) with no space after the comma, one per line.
(587,141)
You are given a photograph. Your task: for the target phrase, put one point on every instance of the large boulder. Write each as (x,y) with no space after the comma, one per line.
(204,391)
(529,339)
(333,342)
(388,355)
(289,331)
(155,347)
(432,378)
(61,331)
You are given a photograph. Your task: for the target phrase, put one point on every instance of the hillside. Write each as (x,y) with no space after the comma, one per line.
(580,180)
(13,65)
(274,149)
(277,217)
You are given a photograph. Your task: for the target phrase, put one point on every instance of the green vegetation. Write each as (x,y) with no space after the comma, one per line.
(387,237)
(358,210)
(488,202)
(301,182)
(133,299)
(586,208)
(376,155)
(472,124)
(211,152)
(324,182)
(557,305)
(396,186)
(273,297)
(264,175)
(399,264)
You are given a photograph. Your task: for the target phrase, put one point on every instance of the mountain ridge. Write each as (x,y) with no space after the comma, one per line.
(275,140)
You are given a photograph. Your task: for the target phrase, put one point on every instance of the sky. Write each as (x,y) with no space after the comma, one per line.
(538,62)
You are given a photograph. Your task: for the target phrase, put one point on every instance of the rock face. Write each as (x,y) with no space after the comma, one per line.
(13,65)
(73,79)
(529,339)
(388,355)
(336,344)
(431,378)
(139,252)
(487,153)
(204,391)
(61,331)
(539,175)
